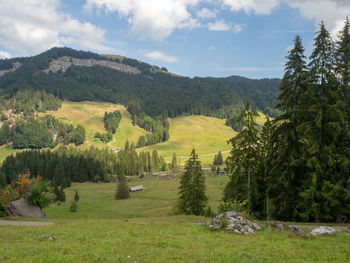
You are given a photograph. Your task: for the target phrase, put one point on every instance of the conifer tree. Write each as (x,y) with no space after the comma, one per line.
(285,165)
(122,188)
(323,127)
(192,198)
(342,184)
(76,196)
(243,161)
(174,162)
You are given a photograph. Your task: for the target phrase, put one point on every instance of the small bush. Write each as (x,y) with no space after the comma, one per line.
(73,207)
(40,194)
(76,196)
(233,205)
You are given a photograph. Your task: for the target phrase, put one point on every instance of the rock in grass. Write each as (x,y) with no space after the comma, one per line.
(322,230)
(297,231)
(22,207)
(230,221)
(46,237)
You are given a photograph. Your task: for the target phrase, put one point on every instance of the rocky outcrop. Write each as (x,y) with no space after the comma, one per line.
(22,207)
(322,230)
(15,66)
(297,231)
(231,221)
(63,63)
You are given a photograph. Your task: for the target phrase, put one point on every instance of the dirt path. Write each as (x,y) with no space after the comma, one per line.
(23,223)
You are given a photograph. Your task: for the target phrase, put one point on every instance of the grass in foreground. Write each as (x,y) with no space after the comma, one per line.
(141,229)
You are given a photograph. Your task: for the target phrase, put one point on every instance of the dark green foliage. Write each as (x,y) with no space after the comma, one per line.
(192,198)
(158,128)
(243,162)
(104,137)
(174,162)
(31,134)
(79,135)
(218,159)
(111,121)
(234,123)
(73,207)
(39,194)
(30,101)
(76,196)
(59,194)
(39,133)
(122,188)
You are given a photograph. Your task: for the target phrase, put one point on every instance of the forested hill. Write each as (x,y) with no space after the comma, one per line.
(143,88)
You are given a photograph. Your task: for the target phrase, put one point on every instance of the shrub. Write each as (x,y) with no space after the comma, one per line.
(40,194)
(73,207)
(76,196)
(233,205)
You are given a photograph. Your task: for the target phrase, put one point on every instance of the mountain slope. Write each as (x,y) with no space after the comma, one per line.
(142,88)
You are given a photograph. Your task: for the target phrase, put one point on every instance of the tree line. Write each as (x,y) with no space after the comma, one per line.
(297,167)
(68,164)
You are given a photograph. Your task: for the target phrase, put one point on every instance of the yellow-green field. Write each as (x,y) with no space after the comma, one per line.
(90,115)
(142,229)
(207,135)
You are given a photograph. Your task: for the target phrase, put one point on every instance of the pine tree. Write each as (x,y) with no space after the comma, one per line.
(122,188)
(285,166)
(243,160)
(174,162)
(341,178)
(76,196)
(220,159)
(192,198)
(323,126)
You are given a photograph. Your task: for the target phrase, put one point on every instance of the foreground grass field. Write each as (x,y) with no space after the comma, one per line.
(142,229)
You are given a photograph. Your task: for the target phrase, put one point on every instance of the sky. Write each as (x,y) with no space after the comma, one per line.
(206,38)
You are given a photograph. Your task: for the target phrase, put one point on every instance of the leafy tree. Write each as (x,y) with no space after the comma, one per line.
(243,161)
(40,194)
(79,135)
(122,189)
(192,198)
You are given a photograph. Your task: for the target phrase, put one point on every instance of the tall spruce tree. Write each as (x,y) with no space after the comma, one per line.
(174,162)
(322,128)
(285,164)
(243,161)
(342,185)
(122,188)
(192,198)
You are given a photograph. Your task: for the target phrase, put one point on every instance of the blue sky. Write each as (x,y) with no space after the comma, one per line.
(214,38)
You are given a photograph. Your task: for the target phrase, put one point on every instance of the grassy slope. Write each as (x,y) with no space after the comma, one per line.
(90,115)
(207,135)
(140,229)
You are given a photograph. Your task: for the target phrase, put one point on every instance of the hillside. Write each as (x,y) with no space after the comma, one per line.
(140,87)
(207,134)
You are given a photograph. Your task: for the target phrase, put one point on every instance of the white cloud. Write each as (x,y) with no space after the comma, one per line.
(238,28)
(332,12)
(153,19)
(263,7)
(4,54)
(30,27)
(219,25)
(158,55)
(206,13)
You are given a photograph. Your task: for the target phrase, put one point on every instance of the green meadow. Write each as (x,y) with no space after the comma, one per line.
(143,229)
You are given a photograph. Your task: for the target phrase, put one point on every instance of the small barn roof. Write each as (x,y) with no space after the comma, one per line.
(136,188)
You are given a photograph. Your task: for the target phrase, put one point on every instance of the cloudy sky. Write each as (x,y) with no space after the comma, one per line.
(189,37)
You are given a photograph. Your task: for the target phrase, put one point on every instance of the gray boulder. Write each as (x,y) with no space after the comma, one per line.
(22,207)
(297,231)
(322,230)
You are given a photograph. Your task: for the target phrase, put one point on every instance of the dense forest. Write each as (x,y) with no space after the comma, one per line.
(154,92)
(297,167)
(68,164)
